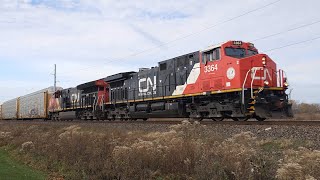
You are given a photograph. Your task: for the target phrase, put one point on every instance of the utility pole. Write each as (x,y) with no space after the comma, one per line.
(55,78)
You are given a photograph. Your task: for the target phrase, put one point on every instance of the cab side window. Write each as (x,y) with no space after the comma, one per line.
(216,54)
(163,66)
(211,55)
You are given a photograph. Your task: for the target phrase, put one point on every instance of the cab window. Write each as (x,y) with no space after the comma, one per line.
(211,55)
(235,52)
(101,88)
(251,52)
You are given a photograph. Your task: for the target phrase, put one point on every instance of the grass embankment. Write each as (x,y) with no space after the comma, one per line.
(184,151)
(12,170)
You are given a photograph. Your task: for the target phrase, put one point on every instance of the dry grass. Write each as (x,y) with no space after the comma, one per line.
(185,151)
(300,164)
(305,111)
(307,116)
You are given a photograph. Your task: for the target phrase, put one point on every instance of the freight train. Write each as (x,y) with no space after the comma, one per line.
(231,80)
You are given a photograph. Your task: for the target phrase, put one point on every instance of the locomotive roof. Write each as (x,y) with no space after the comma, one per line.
(86,85)
(211,47)
(177,57)
(118,76)
(110,78)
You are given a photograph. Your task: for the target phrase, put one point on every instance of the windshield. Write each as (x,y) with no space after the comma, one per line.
(235,52)
(251,52)
(239,52)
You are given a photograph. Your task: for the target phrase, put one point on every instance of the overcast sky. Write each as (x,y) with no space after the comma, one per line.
(91,39)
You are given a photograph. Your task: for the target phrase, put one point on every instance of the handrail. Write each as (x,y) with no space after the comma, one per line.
(244,82)
(252,79)
(254,69)
(281,76)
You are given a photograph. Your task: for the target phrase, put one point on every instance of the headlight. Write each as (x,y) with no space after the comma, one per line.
(266,83)
(286,84)
(264,60)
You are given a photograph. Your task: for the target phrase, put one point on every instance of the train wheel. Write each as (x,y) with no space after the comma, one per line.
(240,118)
(145,119)
(193,119)
(218,118)
(260,118)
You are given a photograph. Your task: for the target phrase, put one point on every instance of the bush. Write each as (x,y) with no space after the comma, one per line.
(305,111)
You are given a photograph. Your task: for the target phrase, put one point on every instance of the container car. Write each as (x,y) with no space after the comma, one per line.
(9,109)
(31,106)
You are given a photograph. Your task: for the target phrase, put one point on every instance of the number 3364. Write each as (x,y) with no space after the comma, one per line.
(211,68)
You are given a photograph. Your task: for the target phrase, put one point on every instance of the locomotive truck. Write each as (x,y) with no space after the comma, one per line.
(231,80)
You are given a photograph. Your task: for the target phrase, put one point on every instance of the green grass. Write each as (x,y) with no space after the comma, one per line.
(12,170)
(271,146)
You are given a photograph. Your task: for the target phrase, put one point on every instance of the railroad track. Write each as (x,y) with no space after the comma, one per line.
(205,122)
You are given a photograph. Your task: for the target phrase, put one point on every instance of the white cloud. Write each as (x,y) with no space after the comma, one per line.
(83,36)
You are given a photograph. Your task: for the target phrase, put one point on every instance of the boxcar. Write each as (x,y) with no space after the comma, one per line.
(31,106)
(9,109)
(34,105)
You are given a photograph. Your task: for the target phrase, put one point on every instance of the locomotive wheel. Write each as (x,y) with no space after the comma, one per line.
(145,119)
(218,118)
(192,119)
(260,118)
(240,118)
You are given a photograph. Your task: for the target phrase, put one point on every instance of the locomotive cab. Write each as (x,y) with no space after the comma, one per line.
(224,64)
(238,66)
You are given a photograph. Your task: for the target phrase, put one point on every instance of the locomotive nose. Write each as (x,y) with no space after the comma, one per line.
(263,70)
(262,60)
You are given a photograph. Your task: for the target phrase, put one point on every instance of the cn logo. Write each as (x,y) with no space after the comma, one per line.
(266,74)
(145,84)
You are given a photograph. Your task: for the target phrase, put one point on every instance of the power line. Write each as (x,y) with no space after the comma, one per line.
(186,36)
(278,33)
(202,30)
(292,29)
(292,44)
(254,40)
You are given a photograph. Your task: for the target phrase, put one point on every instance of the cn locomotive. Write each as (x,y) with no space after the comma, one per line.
(231,80)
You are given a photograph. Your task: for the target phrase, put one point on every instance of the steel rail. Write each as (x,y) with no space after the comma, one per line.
(206,122)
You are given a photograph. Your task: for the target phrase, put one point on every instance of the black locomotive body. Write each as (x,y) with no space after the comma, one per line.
(150,92)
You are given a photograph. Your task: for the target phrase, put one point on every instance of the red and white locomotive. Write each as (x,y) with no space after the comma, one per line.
(230,80)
